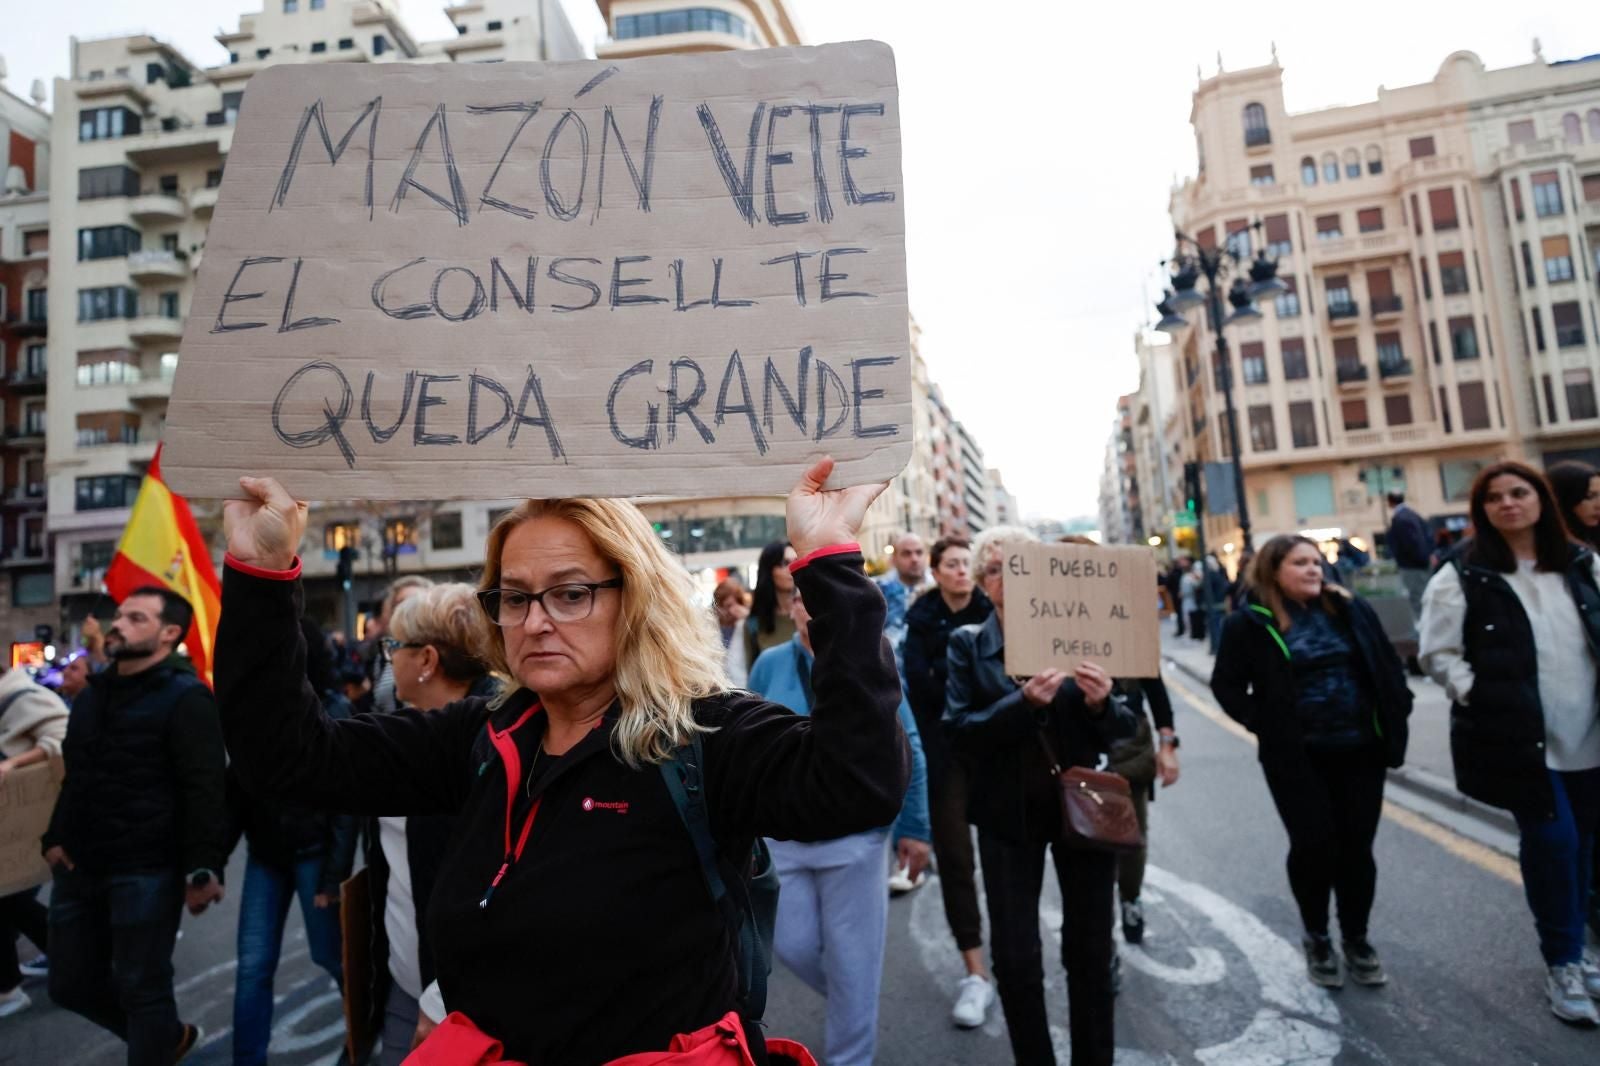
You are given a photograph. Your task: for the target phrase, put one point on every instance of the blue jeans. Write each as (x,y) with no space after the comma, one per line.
(111,938)
(1557,864)
(833,917)
(263,910)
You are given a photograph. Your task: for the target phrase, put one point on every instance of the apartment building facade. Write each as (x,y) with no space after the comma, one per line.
(143,135)
(27,594)
(1405,229)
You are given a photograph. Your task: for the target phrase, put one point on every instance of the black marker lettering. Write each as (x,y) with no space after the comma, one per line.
(747,408)
(826,277)
(380,289)
(381,436)
(795,404)
(641,179)
(819,176)
(847,151)
(677,281)
(740,190)
(779,159)
(887,429)
(532,390)
(420,435)
(618,283)
(332,426)
(552,198)
(799,276)
(651,438)
(677,406)
(528,111)
(716,288)
(310,321)
(827,377)
(557,274)
(524,301)
(231,297)
(474,306)
(315,113)
(457,203)
(475,382)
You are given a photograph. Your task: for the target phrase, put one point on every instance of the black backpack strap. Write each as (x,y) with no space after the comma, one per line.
(686,781)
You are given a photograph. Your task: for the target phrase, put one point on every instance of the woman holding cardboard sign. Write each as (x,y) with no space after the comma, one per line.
(572,920)
(999,726)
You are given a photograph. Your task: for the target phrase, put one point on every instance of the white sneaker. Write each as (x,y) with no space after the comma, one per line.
(14,1002)
(1589,969)
(973,1001)
(900,882)
(1569,1000)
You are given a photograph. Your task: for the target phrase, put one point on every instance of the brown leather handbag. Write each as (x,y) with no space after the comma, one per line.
(1097,812)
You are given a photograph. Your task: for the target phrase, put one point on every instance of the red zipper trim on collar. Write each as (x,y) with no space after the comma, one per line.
(512,759)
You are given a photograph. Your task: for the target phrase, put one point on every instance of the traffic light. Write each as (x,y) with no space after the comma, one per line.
(347,563)
(1193,501)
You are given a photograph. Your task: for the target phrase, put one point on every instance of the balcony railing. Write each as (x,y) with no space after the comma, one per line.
(1395,368)
(1569,336)
(1350,309)
(1386,305)
(1255,138)
(1350,372)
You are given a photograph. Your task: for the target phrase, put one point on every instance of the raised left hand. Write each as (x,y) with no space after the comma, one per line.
(819,517)
(1094,683)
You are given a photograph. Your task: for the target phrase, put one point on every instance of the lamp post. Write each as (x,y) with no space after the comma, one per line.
(1190,263)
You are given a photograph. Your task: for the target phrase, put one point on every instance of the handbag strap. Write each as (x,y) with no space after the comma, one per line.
(1049,749)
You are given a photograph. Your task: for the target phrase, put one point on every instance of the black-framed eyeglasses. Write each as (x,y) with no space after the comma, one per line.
(571,601)
(390,645)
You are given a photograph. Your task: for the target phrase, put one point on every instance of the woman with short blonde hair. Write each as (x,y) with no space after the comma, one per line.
(572,919)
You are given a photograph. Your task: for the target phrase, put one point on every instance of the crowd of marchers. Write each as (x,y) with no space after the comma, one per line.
(573,815)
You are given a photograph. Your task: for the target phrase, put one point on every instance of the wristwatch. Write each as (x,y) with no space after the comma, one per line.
(1170,740)
(201,878)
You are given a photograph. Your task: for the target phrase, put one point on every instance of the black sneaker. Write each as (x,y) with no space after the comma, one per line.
(192,1035)
(1133,922)
(1362,962)
(1322,962)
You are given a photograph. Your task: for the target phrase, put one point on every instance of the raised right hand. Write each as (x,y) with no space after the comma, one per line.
(1042,688)
(264,530)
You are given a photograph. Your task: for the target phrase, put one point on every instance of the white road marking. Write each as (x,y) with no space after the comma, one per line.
(1273,1040)
(1205,966)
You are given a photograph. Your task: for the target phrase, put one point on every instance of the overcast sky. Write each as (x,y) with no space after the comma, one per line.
(1041,140)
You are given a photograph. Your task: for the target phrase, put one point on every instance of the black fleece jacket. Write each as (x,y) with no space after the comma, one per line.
(602,940)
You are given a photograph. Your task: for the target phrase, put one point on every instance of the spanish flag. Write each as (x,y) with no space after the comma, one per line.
(162,546)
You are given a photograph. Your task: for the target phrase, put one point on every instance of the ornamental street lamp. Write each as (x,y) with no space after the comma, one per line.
(1192,262)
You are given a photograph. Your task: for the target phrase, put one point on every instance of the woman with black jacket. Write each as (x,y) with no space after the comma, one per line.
(1577,489)
(1308,669)
(1015,803)
(571,920)
(1511,629)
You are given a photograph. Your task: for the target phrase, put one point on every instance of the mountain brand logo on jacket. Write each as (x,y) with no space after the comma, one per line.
(592,804)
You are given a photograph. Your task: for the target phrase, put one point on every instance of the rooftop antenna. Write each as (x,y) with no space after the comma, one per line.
(36,92)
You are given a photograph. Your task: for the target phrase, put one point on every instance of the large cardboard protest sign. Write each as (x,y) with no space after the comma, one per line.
(27,796)
(1067,603)
(681,274)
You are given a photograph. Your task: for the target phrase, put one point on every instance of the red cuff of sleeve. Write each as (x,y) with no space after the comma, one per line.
(823,553)
(256,571)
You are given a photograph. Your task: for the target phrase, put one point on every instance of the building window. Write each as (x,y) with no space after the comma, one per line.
(1308,171)
(1474,406)
(262,53)
(1293,350)
(107,242)
(1354,414)
(1347,365)
(337,536)
(1527,265)
(1591,185)
(1330,168)
(1572,128)
(1352,163)
(1253,362)
(1551,415)
(494,25)
(1453,280)
(1313,495)
(1557,259)
(97,182)
(1369,219)
(346,43)
(1391,355)
(1261,175)
(291,6)
(33,590)
(445,531)
(97,429)
(1538,328)
(107,366)
(380,44)
(1421,147)
(400,536)
(1580,393)
(36,307)
(1238,239)
(1263,433)
(1456,477)
(36,242)
(110,301)
(105,492)
(1279,244)
(35,361)
(1288,301)
(1303,423)
(213,178)
(1328,227)
(1546,193)
(1516,200)
(1340,302)
(1442,206)
(1374,159)
(1255,126)
(1380,290)
(1567,318)
(318,5)
(1521,131)
(1397,409)
(1463,338)
(319,46)
(107,123)
(658,23)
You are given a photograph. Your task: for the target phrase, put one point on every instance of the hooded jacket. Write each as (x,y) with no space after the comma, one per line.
(1253,679)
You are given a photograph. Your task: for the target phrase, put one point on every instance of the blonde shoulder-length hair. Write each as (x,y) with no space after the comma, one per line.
(668,655)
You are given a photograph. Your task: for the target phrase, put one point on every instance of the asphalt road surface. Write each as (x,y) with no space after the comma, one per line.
(1219,981)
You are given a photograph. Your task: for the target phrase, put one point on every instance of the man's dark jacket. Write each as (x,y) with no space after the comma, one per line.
(144,789)
(1253,680)
(1409,540)
(1011,791)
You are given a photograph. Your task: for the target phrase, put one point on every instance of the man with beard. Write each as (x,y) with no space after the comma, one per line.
(139,830)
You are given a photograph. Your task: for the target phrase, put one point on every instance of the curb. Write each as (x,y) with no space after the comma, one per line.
(1421,783)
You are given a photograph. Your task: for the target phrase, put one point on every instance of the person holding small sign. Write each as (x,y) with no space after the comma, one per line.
(571,919)
(996,724)
(1308,669)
